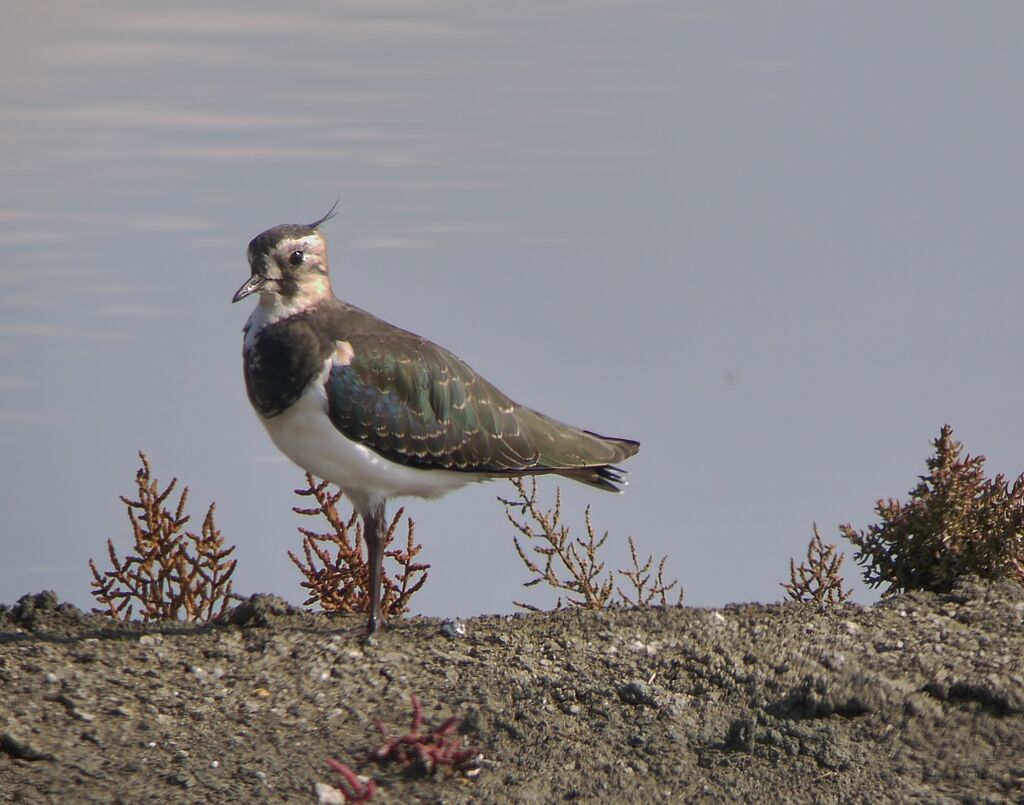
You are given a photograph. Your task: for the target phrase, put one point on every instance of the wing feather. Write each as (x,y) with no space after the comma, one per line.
(417,404)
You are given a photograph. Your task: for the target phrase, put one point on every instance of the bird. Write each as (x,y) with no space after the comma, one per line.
(380,411)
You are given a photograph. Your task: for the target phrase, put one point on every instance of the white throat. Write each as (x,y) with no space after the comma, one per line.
(272,308)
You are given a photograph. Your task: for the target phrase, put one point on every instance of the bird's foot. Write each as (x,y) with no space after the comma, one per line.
(367,632)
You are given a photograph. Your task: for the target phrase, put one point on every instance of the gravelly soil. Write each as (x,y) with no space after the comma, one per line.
(917,698)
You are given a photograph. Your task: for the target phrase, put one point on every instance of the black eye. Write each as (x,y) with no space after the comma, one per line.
(296,258)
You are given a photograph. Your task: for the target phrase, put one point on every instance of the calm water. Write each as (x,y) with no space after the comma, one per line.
(778,246)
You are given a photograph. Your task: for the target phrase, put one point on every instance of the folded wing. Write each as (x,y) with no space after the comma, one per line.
(419,405)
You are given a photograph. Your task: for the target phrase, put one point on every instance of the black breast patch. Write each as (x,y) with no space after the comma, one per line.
(284,358)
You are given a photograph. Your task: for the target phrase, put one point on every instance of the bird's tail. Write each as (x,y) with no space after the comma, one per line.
(605,476)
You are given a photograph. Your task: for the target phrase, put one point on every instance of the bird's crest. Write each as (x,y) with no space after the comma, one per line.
(327,216)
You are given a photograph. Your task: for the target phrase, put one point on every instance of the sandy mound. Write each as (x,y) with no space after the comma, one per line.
(917,698)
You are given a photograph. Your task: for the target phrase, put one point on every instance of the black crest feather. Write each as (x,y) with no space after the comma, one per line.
(328,216)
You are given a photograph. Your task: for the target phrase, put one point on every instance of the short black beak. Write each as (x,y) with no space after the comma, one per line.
(252,285)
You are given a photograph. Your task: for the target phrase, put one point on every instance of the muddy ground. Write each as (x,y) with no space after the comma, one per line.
(920,698)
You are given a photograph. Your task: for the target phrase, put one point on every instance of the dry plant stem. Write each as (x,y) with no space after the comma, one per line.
(569,564)
(412,575)
(818,580)
(341,582)
(572,564)
(174,574)
(648,588)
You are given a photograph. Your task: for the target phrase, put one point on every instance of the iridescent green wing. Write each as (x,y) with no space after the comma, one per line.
(418,405)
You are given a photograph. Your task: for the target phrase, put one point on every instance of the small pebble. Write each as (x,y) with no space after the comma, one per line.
(453,629)
(329,795)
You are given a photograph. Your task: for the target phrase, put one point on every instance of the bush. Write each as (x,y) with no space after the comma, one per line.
(341,583)
(574,565)
(956,523)
(173,574)
(818,580)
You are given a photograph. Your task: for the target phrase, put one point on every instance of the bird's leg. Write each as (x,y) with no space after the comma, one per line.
(374,532)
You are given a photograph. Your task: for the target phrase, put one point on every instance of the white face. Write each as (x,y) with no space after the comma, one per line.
(291,257)
(294,271)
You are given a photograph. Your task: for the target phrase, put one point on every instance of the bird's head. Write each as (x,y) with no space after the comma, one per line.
(289,266)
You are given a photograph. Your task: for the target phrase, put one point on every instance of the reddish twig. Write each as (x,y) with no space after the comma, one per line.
(818,580)
(341,582)
(351,785)
(173,574)
(424,752)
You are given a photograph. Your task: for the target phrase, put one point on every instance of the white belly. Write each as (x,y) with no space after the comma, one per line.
(306,435)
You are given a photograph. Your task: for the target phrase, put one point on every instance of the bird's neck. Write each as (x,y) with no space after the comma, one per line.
(310,293)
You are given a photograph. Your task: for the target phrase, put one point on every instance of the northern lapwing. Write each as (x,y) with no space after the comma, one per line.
(380,411)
